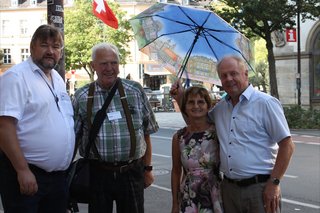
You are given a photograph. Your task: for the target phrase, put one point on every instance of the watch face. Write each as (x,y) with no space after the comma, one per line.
(275,181)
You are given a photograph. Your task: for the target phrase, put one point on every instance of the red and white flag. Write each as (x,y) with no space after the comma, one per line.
(103,12)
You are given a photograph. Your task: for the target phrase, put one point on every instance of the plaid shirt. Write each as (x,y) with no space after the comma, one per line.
(113,139)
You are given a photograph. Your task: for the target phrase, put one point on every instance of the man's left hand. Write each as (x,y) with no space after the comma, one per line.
(271,197)
(148,178)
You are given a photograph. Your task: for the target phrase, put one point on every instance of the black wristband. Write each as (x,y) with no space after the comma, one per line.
(148,168)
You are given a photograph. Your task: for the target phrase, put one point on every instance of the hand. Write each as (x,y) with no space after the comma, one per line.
(175,209)
(177,90)
(148,178)
(27,181)
(271,197)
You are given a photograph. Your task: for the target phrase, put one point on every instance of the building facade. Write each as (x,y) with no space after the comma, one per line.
(20,18)
(287,68)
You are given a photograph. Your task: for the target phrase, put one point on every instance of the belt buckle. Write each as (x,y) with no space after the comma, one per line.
(122,168)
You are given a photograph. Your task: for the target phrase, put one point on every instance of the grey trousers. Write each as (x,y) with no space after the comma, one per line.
(237,199)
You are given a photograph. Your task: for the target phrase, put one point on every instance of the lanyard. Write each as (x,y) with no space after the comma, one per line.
(55,96)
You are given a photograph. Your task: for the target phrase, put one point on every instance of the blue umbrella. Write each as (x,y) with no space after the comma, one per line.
(186,39)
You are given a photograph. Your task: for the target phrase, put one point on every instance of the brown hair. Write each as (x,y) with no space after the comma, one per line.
(44,32)
(193,91)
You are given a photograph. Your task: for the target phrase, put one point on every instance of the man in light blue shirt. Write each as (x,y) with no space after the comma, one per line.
(255,142)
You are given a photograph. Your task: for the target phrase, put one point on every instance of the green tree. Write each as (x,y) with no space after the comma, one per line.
(259,18)
(83,30)
(260,78)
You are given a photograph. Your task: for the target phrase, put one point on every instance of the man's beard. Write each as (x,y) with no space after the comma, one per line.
(44,64)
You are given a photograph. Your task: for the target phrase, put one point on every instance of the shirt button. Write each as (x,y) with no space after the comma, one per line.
(229,156)
(230,143)
(231,130)
(233,117)
(230,170)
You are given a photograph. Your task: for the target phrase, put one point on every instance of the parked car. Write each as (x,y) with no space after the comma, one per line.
(155,102)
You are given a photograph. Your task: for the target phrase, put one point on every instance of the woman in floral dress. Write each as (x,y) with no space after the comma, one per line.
(195,158)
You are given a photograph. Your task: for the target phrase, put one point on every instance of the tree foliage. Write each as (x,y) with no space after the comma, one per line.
(83,30)
(259,18)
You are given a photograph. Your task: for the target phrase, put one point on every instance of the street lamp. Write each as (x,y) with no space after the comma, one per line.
(298,76)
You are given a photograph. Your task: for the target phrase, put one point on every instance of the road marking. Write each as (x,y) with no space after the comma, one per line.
(308,143)
(300,203)
(161,187)
(283,199)
(159,155)
(290,176)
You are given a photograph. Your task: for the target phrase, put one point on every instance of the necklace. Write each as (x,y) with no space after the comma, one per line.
(55,96)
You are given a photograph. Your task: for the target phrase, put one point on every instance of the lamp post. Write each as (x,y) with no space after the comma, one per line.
(298,77)
(55,17)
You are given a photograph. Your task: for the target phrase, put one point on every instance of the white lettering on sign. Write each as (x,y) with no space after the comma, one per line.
(291,35)
(59,8)
(56,19)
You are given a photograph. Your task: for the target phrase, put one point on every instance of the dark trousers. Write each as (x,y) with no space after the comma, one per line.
(125,188)
(51,196)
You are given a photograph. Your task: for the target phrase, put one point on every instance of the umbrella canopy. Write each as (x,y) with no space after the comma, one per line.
(188,41)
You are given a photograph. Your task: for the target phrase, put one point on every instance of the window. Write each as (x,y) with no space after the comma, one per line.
(14,3)
(5,27)
(7,56)
(23,27)
(316,67)
(24,54)
(33,2)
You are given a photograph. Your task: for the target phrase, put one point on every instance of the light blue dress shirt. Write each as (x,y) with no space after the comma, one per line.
(249,133)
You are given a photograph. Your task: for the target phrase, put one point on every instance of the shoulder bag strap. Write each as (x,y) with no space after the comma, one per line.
(99,118)
(89,113)
(124,102)
(90,103)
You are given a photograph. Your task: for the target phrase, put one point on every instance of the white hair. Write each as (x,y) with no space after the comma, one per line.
(105,46)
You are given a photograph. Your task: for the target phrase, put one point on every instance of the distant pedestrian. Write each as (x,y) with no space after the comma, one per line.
(36,130)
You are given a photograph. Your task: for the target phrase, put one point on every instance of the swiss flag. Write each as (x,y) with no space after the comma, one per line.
(103,12)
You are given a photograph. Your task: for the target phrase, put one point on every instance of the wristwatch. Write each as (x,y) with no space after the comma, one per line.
(148,168)
(275,181)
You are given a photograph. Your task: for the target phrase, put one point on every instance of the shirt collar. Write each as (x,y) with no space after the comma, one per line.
(246,94)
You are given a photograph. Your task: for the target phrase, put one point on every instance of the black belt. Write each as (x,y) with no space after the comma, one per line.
(248,181)
(120,167)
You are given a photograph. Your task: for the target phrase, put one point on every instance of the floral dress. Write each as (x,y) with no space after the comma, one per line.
(199,189)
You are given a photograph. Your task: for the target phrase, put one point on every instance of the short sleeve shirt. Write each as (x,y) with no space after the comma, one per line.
(113,140)
(249,133)
(45,132)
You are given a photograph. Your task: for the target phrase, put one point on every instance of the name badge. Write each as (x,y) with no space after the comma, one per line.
(114,115)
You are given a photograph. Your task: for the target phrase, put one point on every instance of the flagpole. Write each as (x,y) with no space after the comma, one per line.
(56,17)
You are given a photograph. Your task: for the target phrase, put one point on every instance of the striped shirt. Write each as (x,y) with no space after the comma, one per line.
(113,139)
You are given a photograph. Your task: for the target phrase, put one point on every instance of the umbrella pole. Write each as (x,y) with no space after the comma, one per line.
(186,58)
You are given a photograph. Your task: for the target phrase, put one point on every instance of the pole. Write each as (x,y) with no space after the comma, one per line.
(299,53)
(56,18)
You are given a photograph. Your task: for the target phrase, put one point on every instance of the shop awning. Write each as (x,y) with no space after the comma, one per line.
(153,73)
